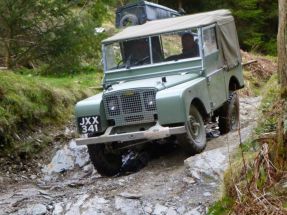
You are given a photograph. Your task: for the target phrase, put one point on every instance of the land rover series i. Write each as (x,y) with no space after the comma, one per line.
(165,78)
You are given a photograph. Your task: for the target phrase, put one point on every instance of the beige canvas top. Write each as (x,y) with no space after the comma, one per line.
(172,24)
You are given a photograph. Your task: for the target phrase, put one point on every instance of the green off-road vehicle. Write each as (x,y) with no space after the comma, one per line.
(163,79)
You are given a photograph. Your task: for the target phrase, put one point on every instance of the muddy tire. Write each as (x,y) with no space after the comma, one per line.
(194,141)
(128,20)
(229,114)
(106,163)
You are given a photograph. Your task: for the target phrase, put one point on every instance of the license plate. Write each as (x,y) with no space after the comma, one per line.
(89,124)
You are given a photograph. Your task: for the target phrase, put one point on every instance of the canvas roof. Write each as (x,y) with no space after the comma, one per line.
(172,24)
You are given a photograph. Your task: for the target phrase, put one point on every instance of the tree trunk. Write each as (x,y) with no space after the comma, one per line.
(282,47)
(179,4)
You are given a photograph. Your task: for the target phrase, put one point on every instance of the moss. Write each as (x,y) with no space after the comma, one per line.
(30,101)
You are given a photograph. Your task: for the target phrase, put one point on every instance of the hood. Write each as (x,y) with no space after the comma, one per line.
(156,82)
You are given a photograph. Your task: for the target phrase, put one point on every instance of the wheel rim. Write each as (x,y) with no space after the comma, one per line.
(194,128)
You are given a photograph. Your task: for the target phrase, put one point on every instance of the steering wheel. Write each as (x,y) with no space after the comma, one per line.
(142,61)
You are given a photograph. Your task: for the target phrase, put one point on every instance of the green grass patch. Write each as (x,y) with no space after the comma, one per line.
(28,101)
(270,107)
(222,207)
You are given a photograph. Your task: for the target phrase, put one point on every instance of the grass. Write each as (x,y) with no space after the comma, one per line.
(269,107)
(243,202)
(29,102)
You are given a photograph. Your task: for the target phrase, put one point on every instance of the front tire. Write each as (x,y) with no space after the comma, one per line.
(194,141)
(105,162)
(229,114)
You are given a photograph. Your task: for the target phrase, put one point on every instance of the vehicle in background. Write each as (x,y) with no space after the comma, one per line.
(140,12)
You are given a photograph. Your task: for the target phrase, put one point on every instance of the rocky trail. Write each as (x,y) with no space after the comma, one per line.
(170,184)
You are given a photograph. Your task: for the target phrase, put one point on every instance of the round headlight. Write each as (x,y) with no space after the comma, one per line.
(112,105)
(150,100)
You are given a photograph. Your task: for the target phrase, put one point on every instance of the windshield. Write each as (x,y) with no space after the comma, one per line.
(128,54)
(158,49)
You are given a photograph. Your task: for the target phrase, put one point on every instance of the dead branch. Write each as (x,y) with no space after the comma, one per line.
(249,62)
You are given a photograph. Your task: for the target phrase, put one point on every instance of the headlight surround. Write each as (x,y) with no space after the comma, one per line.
(113,105)
(149,100)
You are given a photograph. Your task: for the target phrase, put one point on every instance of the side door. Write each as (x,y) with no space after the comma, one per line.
(215,76)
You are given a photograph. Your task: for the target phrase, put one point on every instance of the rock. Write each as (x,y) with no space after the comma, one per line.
(159,209)
(148,209)
(81,154)
(33,177)
(38,209)
(194,211)
(171,211)
(75,208)
(131,195)
(58,209)
(67,158)
(181,210)
(209,164)
(96,205)
(62,161)
(88,168)
(189,180)
(206,194)
(128,206)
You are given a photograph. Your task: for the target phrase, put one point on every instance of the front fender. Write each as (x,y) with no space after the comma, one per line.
(173,103)
(90,107)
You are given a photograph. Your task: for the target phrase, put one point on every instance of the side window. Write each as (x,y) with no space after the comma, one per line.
(171,44)
(180,45)
(209,41)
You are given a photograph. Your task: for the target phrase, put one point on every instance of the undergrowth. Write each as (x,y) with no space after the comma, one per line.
(254,183)
(29,102)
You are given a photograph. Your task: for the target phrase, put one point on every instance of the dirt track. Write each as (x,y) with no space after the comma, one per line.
(165,186)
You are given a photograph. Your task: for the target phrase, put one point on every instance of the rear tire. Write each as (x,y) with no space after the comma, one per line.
(194,141)
(229,114)
(128,20)
(105,162)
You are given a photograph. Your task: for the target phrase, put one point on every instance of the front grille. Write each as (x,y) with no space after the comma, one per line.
(130,106)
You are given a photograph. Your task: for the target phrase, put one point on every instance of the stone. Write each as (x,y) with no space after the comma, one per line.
(148,209)
(62,161)
(131,195)
(88,168)
(159,209)
(181,209)
(206,194)
(1,180)
(38,209)
(194,211)
(96,205)
(33,177)
(171,211)
(58,209)
(189,180)
(209,164)
(81,154)
(128,206)
(75,208)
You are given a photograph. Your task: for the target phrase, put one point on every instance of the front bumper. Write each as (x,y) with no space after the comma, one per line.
(153,133)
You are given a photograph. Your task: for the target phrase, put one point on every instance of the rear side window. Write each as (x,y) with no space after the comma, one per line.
(209,41)
(180,45)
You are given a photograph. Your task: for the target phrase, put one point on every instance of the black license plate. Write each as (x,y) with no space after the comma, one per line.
(89,124)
